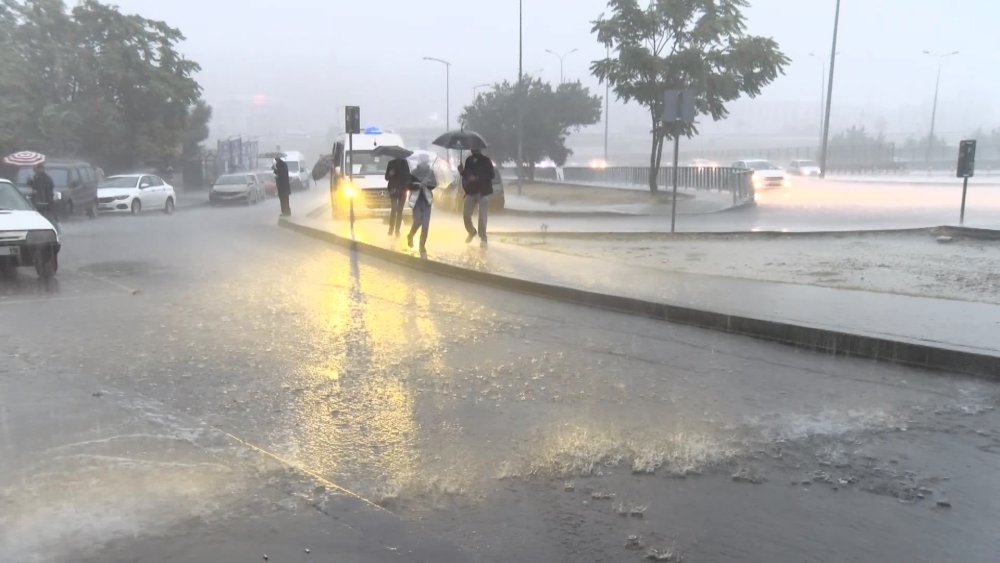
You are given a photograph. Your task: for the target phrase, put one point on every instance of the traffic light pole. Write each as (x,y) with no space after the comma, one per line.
(965,189)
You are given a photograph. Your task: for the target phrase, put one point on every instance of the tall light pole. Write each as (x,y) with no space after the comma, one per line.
(447,90)
(607,106)
(829,95)
(822,94)
(475,90)
(520,94)
(562,59)
(937,83)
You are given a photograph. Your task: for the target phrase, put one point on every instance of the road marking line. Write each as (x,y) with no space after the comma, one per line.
(48,299)
(112,283)
(300,468)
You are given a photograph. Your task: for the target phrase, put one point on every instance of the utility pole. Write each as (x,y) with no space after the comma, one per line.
(607,106)
(829,95)
(520,94)
(937,83)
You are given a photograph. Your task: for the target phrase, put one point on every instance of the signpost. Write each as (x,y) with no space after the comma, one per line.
(678,108)
(966,170)
(352,124)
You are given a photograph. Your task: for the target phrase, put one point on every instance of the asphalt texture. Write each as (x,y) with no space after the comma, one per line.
(209,387)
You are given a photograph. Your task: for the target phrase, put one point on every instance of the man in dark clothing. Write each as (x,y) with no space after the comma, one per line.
(44,194)
(397,173)
(477,181)
(283,184)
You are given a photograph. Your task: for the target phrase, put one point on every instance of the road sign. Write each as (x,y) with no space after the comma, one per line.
(352,120)
(678,105)
(967,159)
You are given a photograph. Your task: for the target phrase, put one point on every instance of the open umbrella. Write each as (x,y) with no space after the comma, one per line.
(322,167)
(392,151)
(461,140)
(24,158)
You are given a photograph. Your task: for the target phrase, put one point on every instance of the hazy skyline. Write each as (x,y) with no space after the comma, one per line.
(316,56)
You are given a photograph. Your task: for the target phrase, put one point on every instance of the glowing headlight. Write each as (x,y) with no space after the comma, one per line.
(786,182)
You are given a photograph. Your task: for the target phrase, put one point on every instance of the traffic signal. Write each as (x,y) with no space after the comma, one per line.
(352,119)
(966,159)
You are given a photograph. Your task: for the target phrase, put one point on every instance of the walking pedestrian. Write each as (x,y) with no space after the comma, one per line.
(283,184)
(477,181)
(422,184)
(397,173)
(43,195)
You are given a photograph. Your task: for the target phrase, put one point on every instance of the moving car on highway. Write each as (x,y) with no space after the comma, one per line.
(765,174)
(803,168)
(241,187)
(135,193)
(26,238)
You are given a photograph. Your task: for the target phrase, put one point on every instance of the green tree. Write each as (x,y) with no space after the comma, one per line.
(701,45)
(549,118)
(96,83)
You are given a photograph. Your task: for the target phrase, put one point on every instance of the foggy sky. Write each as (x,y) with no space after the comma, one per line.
(317,55)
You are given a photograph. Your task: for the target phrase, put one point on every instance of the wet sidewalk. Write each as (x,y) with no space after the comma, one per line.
(939,323)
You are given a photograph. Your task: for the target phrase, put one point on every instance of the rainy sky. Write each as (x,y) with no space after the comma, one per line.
(317,55)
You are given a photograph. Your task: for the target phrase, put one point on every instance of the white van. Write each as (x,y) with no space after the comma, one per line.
(366,182)
(298,170)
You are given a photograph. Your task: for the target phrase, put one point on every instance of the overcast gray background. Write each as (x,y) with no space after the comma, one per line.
(312,56)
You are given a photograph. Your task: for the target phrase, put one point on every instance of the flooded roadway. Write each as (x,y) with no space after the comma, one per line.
(210,386)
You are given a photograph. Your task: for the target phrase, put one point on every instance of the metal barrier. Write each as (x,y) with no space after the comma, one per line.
(736,181)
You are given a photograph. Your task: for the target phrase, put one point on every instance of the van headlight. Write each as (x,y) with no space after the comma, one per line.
(41,236)
(56,195)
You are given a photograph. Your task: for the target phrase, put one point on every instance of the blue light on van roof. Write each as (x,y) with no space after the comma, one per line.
(373,131)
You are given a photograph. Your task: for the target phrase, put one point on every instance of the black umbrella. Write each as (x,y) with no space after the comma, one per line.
(322,167)
(392,151)
(461,140)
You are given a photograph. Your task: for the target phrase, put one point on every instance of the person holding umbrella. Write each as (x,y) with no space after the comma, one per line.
(423,183)
(44,193)
(283,184)
(397,173)
(478,174)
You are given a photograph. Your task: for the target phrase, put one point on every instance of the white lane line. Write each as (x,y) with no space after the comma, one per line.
(110,282)
(51,299)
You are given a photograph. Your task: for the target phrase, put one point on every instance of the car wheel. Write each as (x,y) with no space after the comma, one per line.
(168,207)
(92,210)
(46,266)
(136,206)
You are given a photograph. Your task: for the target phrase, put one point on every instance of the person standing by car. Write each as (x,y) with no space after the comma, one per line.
(423,183)
(284,185)
(477,175)
(397,173)
(44,194)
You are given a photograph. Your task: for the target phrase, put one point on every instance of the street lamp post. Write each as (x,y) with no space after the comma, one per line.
(475,90)
(829,95)
(520,94)
(937,83)
(822,94)
(607,106)
(447,90)
(562,58)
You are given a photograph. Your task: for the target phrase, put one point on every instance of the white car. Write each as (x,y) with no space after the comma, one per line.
(765,174)
(134,193)
(803,168)
(26,237)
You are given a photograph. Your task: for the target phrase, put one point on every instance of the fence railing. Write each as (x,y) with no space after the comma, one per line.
(735,181)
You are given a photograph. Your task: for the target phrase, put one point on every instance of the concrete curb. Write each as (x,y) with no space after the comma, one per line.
(944,230)
(807,337)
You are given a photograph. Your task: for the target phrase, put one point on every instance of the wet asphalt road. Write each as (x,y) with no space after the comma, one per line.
(209,387)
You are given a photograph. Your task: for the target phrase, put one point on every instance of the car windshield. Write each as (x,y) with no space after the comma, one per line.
(365,163)
(231,180)
(11,199)
(119,182)
(760,165)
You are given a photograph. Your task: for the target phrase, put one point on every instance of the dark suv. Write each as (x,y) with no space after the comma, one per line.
(75,185)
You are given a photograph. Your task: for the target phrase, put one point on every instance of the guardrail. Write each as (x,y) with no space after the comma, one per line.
(736,181)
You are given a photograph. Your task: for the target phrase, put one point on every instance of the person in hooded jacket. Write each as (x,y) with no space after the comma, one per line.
(422,182)
(397,173)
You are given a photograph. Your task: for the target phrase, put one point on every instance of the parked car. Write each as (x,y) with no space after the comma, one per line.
(270,183)
(134,193)
(804,168)
(75,185)
(241,187)
(26,237)
(765,174)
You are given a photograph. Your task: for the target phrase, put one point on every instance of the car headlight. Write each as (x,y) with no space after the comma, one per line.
(786,182)
(56,195)
(41,236)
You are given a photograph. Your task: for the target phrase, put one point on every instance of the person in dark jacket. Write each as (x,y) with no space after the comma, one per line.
(422,183)
(477,181)
(43,196)
(283,184)
(397,173)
